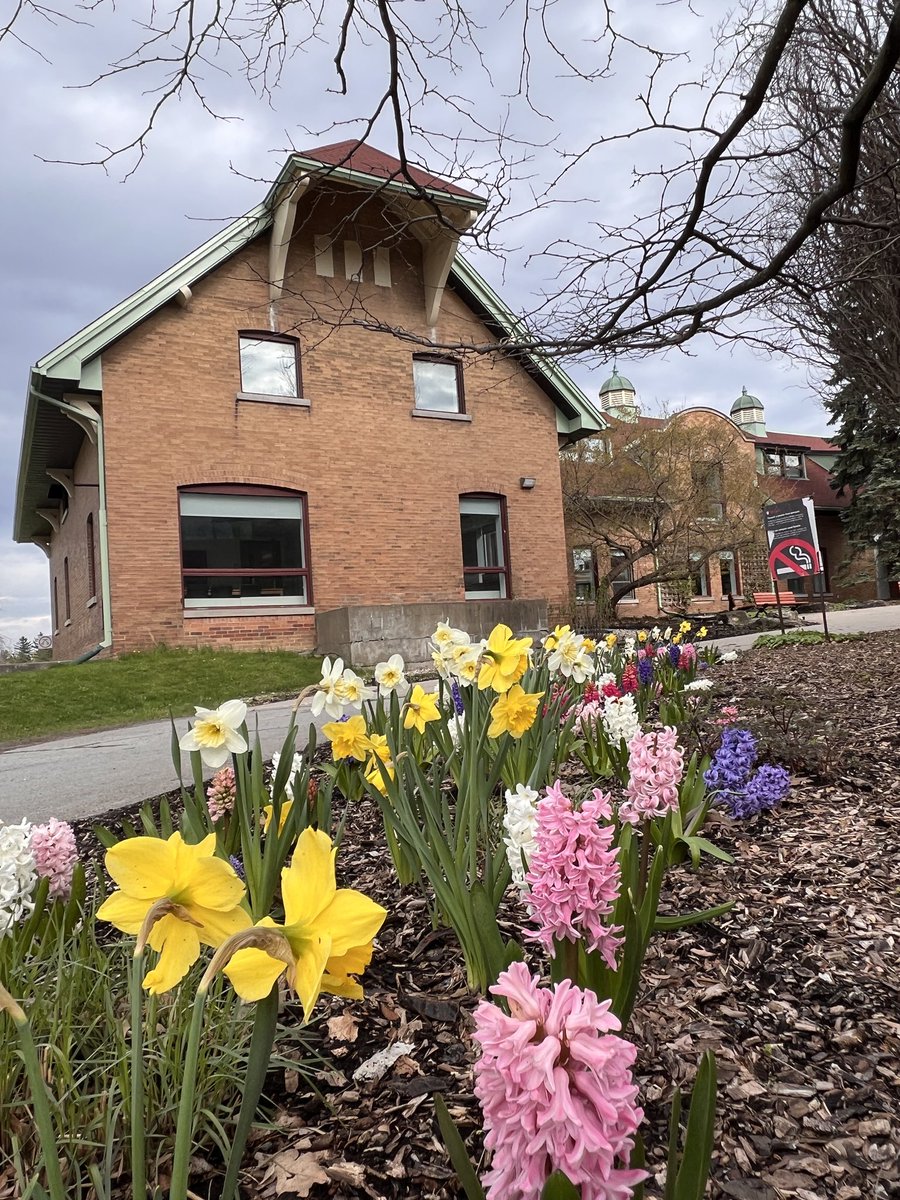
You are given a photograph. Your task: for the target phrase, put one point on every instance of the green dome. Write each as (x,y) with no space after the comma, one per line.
(745,401)
(616,383)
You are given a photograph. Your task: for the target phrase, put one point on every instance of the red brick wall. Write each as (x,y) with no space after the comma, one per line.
(84,628)
(382,485)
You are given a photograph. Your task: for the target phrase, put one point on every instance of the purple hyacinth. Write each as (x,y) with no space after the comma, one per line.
(733,762)
(645,670)
(238,866)
(457,698)
(767,787)
(674,655)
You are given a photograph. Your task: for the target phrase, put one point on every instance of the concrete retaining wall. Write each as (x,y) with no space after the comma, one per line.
(368,634)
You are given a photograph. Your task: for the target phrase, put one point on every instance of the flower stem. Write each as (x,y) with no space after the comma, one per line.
(261,1041)
(138,1148)
(39,1101)
(184,1130)
(644,867)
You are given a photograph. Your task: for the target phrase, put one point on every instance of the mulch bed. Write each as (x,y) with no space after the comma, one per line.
(796,990)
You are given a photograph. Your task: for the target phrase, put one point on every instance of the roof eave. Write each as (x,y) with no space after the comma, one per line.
(375,183)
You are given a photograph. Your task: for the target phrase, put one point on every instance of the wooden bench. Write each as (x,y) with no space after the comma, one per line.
(770,600)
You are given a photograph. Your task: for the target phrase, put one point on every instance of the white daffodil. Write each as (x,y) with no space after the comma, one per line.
(667,633)
(441,663)
(352,690)
(390,676)
(698,685)
(445,635)
(654,634)
(462,662)
(326,698)
(215,733)
(520,823)
(628,647)
(296,765)
(570,658)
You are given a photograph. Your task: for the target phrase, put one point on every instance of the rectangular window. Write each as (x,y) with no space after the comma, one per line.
(54,605)
(270,366)
(66,592)
(583,570)
(623,578)
(243,549)
(699,577)
(728,573)
(484,546)
(438,384)
(91,563)
(787,463)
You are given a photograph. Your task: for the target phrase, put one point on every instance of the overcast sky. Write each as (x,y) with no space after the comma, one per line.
(79,239)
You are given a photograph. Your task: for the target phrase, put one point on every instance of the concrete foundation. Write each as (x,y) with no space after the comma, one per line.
(366,635)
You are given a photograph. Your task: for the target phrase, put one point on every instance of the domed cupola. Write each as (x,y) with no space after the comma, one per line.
(748,414)
(618,397)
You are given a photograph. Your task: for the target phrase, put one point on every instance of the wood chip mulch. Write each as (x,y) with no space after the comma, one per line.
(796,989)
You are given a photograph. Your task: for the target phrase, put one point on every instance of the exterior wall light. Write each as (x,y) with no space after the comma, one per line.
(527,483)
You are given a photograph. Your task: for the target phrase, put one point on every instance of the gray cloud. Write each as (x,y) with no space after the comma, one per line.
(79,240)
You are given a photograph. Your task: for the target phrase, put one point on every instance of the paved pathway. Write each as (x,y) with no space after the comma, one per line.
(90,773)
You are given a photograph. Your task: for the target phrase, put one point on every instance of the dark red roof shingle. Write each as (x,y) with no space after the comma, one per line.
(370,161)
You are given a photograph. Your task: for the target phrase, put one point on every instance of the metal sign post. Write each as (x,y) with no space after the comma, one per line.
(780,609)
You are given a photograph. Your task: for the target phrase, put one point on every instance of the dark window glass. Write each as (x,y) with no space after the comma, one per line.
(54,601)
(66,593)
(91,565)
(437,385)
(485,560)
(699,577)
(624,576)
(268,366)
(243,549)
(728,573)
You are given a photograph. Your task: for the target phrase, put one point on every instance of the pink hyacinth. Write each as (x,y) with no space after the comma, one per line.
(630,678)
(556,1089)
(55,854)
(574,875)
(728,715)
(688,657)
(655,768)
(591,693)
(588,716)
(220,794)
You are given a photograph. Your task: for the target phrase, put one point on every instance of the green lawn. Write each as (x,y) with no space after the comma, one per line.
(141,687)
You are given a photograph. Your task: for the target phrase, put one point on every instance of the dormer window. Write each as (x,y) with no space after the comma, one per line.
(779,460)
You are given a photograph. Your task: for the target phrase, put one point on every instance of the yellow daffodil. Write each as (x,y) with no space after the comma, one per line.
(348,738)
(328,930)
(268,811)
(196,895)
(504,660)
(676,640)
(215,733)
(684,627)
(702,631)
(590,645)
(642,635)
(552,640)
(376,770)
(420,708)
(611,639)
(513,712)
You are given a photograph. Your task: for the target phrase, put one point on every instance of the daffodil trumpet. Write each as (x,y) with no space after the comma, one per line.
(40,1104)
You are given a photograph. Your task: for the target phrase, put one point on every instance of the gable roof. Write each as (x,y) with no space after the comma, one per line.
(804,441)
(75,363)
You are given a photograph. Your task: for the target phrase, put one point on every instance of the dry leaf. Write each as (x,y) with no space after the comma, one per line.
(344,1028)
(295,1174)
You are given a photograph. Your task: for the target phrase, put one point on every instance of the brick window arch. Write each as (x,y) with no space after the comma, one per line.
(244,546)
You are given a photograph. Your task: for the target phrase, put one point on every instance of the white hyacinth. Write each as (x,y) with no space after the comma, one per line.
(698,685)
(455,726)
(17,874)
(730,656)
(620,719)
(520,823)
(296,765)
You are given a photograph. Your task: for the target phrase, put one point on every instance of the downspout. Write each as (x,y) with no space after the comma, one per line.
(89,414)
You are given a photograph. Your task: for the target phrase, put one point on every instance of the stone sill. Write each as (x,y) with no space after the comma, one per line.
(286,401)
(440,416)
(91,602)
(255,610)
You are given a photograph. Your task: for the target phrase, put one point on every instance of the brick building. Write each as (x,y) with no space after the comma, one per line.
(788,466)
(244,446)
